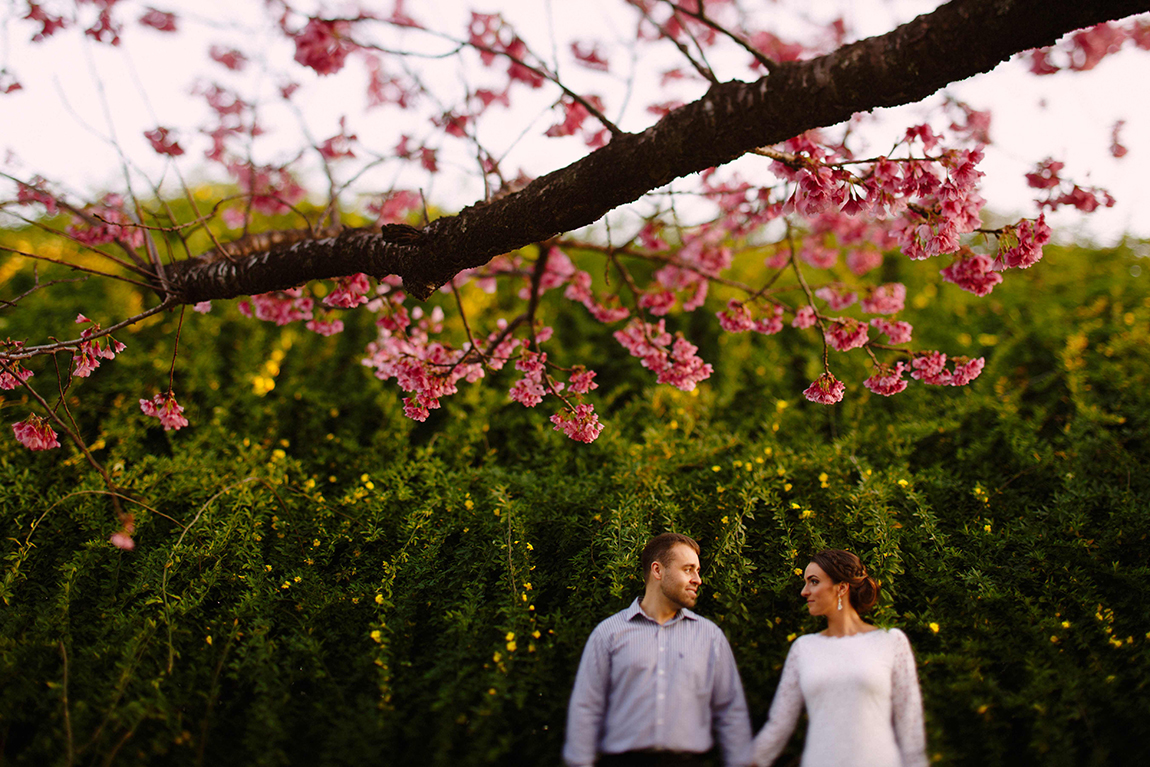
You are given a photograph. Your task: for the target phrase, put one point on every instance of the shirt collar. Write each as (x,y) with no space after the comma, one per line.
(635,610)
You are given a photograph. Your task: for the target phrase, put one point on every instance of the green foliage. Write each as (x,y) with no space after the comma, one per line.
(318,580)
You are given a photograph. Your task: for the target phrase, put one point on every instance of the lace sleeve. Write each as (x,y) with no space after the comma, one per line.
(785,710)
(906,705)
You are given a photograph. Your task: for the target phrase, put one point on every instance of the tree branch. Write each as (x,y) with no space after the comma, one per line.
(958,40)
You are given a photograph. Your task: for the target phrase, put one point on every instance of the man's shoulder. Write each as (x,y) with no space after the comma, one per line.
(615,622)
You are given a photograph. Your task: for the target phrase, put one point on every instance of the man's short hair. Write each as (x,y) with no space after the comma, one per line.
(659,547)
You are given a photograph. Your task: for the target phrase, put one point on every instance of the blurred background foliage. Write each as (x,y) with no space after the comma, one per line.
(319,580)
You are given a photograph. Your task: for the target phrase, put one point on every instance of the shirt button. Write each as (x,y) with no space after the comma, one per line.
(661,671)
(662,649)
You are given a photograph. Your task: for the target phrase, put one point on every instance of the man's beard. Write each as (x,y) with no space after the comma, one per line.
(682,597)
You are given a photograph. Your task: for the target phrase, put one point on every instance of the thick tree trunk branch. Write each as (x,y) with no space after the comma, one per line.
(958,40)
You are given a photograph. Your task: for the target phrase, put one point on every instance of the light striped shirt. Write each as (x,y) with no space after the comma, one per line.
(642,685)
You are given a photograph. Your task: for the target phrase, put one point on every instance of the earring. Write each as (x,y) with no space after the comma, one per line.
(840,601)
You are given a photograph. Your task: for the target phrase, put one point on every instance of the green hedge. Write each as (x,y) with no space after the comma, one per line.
(318,580)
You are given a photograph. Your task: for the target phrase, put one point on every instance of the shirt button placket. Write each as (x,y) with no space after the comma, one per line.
(660,684)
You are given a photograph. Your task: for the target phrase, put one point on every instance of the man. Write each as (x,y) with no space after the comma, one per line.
(656,680)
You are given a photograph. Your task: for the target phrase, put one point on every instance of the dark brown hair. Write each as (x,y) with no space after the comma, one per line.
(844,567)
(660,546)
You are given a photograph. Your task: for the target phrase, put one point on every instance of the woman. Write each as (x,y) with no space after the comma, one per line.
(858,682)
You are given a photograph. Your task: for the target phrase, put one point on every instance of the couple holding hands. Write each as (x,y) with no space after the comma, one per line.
(657,684)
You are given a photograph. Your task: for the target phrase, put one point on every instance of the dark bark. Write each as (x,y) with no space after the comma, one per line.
(958,40)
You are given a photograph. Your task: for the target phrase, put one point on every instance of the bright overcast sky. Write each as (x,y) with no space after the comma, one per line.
(53,126)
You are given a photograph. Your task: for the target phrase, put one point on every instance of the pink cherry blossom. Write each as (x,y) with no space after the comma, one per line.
(349,292)
(581,425)
(328,327)
(581,380)
(415,411)
(845,334)
(1029,237)
(165,407)
(202,307)
(87,358)
(161,21)
(163,143)
(736,318)
(967,372)
(804,317)
(673,361)
(863,260)
(122,540)
(896,332)
(887,380)
(323,46)
(837,297)
(930,368)
(280,307)
(770,325)
(825,390)
(973,272)
(11,377)
(885,299)
(35,433)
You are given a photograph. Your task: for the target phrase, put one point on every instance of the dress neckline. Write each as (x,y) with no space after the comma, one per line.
(875,630)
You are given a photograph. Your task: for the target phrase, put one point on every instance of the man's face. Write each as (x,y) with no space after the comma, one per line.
(680,576)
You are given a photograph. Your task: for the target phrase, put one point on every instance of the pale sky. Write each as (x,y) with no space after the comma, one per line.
(73,90)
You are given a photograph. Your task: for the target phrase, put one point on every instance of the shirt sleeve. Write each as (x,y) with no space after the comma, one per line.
(784,714)
(588,703)
(906,705)
(732,722)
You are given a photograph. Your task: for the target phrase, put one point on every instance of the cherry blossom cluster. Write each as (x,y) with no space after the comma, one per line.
(164,407)
(93,348)
(1084,49)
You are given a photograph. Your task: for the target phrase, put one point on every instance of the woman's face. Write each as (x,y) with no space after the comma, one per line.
(821,593)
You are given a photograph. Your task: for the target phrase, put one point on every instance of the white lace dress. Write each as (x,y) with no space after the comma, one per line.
(862,698)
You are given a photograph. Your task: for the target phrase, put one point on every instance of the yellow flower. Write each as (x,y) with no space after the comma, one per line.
(787,487)
(498,656)
(526,586)
(286,584)
(379,599)
(806,513)
(469,504)
(791,637)
(536,633)
(376,636)
(298,579)
(982,709)
(363,478)
(903,483)
(794,505)
(1065,624)
(823,477)
(1054,639)
(511,647)
(725,520)
(510,636)
(716,468)
(208,639)
(934,627)
(491,691)
(798,571)
(315,543)
(986,528)
(530,547)
(530,647)
(269,568)
(369,485)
